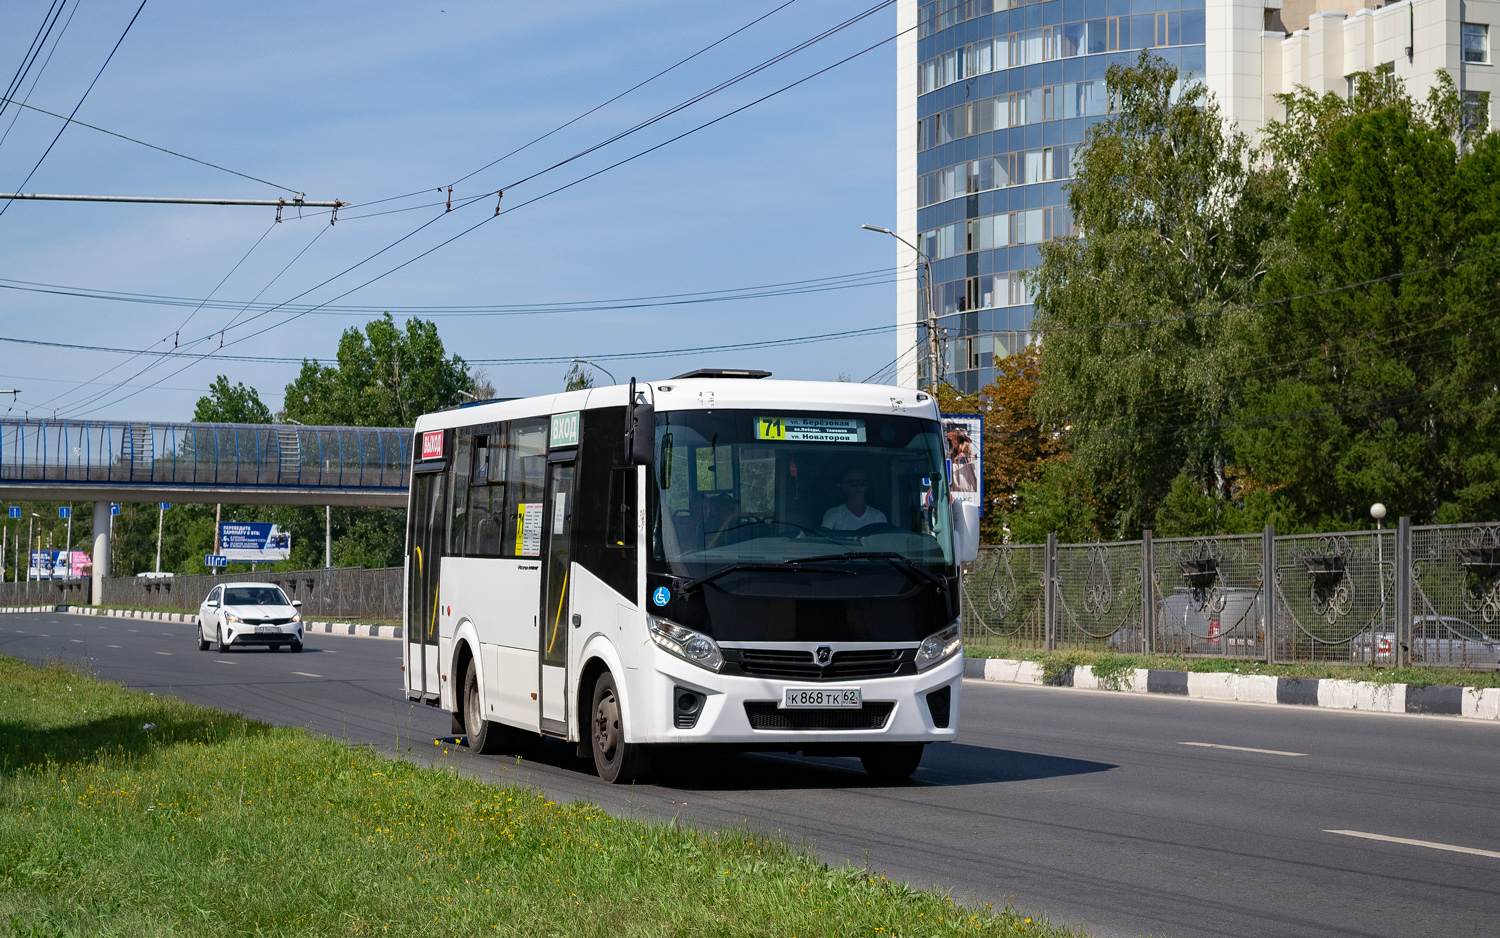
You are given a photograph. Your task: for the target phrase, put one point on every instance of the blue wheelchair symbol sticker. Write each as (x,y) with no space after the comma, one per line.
(661,595)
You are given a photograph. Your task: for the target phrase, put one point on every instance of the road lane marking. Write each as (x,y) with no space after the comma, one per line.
(1264,752)
(112,646)
(222,661)
(78,640)
(1453,848)
(167,653)
(305,674)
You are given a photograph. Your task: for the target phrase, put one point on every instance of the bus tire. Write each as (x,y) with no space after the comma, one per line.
(617,761)
(892,762)
(485,736)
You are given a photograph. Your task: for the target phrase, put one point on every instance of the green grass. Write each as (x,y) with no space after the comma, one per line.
(1108,665)
(210,824)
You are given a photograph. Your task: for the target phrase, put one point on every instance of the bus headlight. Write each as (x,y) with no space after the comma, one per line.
(939,647)
(685,643)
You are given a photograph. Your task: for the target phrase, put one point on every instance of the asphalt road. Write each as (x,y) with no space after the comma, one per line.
(1084,806)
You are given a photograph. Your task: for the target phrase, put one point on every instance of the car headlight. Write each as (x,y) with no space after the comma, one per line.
(685,643)
(939,647)
(296,617)
(231,617)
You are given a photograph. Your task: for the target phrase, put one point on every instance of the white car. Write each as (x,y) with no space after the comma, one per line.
(249,614)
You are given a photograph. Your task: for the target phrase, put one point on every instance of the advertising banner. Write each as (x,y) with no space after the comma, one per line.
(49,564)
(964,440)
(253,542)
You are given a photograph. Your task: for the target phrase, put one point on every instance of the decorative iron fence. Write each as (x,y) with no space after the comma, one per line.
(1403,595)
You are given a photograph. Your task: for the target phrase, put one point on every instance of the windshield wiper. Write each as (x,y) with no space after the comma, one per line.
(687,586)
(901,561)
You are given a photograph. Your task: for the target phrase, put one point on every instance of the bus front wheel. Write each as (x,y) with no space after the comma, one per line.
(892,762)
(485,736)
(617,761)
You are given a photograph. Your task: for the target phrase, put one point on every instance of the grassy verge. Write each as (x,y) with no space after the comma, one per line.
(128,814)
(1105,663)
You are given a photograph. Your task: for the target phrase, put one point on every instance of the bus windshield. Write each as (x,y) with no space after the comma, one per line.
(768,487)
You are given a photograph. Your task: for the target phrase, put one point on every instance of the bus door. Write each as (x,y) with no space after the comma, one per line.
(427,527)
(557,532)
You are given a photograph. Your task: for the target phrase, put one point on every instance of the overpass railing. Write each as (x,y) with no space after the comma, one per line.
(203,454)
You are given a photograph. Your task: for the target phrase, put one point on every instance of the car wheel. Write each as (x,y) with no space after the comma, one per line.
(485,736)
(219,635)
(892,762)
(617,761)
(296,646)
(202,642)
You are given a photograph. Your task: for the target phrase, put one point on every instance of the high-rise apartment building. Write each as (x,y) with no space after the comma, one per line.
(993,101)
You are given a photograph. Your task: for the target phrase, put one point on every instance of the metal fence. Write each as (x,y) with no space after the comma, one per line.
(341,592)
(216,454)
(1403,595)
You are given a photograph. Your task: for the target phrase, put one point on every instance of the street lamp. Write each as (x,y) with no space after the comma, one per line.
(931,318)
(585,361)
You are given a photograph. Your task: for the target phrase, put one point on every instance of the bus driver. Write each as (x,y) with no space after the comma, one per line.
(854,513)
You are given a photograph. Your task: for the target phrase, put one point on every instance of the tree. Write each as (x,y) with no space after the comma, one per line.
(385,376)
(226,404)
(577,378)
(1139,356)
(1374,381)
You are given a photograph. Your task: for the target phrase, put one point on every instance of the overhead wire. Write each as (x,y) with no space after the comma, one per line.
(97,75)
(38,77)
(38,42)
(150,146)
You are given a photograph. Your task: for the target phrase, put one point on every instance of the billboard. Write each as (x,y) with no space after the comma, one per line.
(253,542)
(49,564)
(963,439)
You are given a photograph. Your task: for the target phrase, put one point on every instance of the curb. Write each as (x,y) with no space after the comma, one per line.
(1328,693)
(327,628)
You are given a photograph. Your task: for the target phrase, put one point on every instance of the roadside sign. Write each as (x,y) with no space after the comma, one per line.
(215,560)
(114,509)
(65,512)
(164,505)
(15,512)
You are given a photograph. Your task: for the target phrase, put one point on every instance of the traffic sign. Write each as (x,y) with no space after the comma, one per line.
(164,505)
(15,512)
(114,509)
(215,560)
(65,512)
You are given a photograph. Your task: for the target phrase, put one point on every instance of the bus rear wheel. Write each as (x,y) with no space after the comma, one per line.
(892,762)
(617,761)
(485,736)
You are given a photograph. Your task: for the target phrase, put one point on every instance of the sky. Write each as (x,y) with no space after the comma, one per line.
(362,102)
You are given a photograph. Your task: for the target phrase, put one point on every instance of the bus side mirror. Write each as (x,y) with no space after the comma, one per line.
(966,531)
(640,430)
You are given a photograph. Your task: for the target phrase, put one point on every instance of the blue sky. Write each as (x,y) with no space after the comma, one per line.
(363,101)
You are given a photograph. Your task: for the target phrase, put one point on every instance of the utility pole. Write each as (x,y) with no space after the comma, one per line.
(30,526)
(327,536)
(161,517)
(218,513)
(69,568)
(933,358)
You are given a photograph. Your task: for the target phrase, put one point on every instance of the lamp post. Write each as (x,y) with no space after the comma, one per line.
(585,361)
(931,318)
(1377,511)
(31,526)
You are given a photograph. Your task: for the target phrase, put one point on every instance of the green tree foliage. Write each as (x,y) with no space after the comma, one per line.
(1285,336)
(577,379)
(1171,226)
(385,376)
(231,404)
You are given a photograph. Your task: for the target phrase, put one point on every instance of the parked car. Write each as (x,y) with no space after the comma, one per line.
(1438,641)
(249,614)
(1184,626)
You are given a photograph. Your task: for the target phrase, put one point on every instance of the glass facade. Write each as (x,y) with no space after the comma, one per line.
(1006,89)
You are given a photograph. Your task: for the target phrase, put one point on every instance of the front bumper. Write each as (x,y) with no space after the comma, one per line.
(724,718)
(250,634)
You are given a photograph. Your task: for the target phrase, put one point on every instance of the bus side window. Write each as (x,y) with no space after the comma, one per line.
(622,513)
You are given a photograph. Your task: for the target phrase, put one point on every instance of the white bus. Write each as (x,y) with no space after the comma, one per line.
(711,559)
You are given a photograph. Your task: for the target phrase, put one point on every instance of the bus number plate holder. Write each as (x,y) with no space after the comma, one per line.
(821,698)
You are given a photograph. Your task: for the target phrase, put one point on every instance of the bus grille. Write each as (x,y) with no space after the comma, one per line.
(800,666)
(764,715)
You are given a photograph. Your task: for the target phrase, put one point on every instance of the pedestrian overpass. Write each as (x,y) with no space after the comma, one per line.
(123,461)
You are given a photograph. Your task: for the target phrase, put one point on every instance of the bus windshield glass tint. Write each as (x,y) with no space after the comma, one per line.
(766,487)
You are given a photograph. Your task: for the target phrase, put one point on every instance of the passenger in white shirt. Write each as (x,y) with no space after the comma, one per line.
(853,514)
